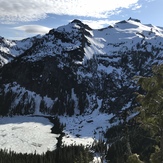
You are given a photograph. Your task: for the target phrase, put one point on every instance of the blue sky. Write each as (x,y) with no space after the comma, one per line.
(25,18)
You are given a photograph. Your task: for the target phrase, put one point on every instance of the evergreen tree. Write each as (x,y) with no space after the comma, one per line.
(66,154)
(151,105)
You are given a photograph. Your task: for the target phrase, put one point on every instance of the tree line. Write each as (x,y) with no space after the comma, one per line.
(65,154)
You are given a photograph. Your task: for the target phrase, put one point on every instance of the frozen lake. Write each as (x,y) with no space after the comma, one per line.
(25,134)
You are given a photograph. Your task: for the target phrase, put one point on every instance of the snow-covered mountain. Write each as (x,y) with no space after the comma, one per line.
(75,69)
(10,49)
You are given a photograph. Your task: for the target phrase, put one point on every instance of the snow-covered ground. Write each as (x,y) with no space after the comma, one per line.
(24,134)
(84,129)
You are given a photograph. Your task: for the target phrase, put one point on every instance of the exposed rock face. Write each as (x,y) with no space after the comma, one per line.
(75,69)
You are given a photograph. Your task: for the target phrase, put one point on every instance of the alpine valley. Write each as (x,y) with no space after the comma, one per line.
(81,75)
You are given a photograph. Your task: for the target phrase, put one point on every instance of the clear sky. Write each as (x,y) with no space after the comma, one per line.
(25,18)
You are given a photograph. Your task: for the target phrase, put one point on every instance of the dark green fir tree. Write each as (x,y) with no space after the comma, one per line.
(151,108)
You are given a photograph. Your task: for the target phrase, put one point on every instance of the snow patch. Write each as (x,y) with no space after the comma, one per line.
(84,129)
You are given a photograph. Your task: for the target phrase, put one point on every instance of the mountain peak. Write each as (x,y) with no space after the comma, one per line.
(133,19)
(77,21)
(80,23)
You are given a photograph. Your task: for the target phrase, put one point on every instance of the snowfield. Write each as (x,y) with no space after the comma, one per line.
(85,129)
(24,134)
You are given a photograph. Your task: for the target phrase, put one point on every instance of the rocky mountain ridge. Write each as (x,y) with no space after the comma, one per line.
(75,69)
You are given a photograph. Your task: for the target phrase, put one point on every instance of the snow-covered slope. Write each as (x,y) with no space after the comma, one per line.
(85,129)
(123,36)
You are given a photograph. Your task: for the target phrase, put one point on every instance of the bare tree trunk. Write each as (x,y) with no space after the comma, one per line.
(128,145)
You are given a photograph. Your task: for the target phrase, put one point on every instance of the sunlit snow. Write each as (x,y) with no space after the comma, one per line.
(24,134)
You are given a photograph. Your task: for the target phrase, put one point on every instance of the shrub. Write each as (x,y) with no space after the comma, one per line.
(134,158)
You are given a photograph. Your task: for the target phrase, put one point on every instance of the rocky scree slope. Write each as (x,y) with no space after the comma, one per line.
(75,69)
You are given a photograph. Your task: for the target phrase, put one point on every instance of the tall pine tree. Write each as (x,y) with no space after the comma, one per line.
(151,105)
